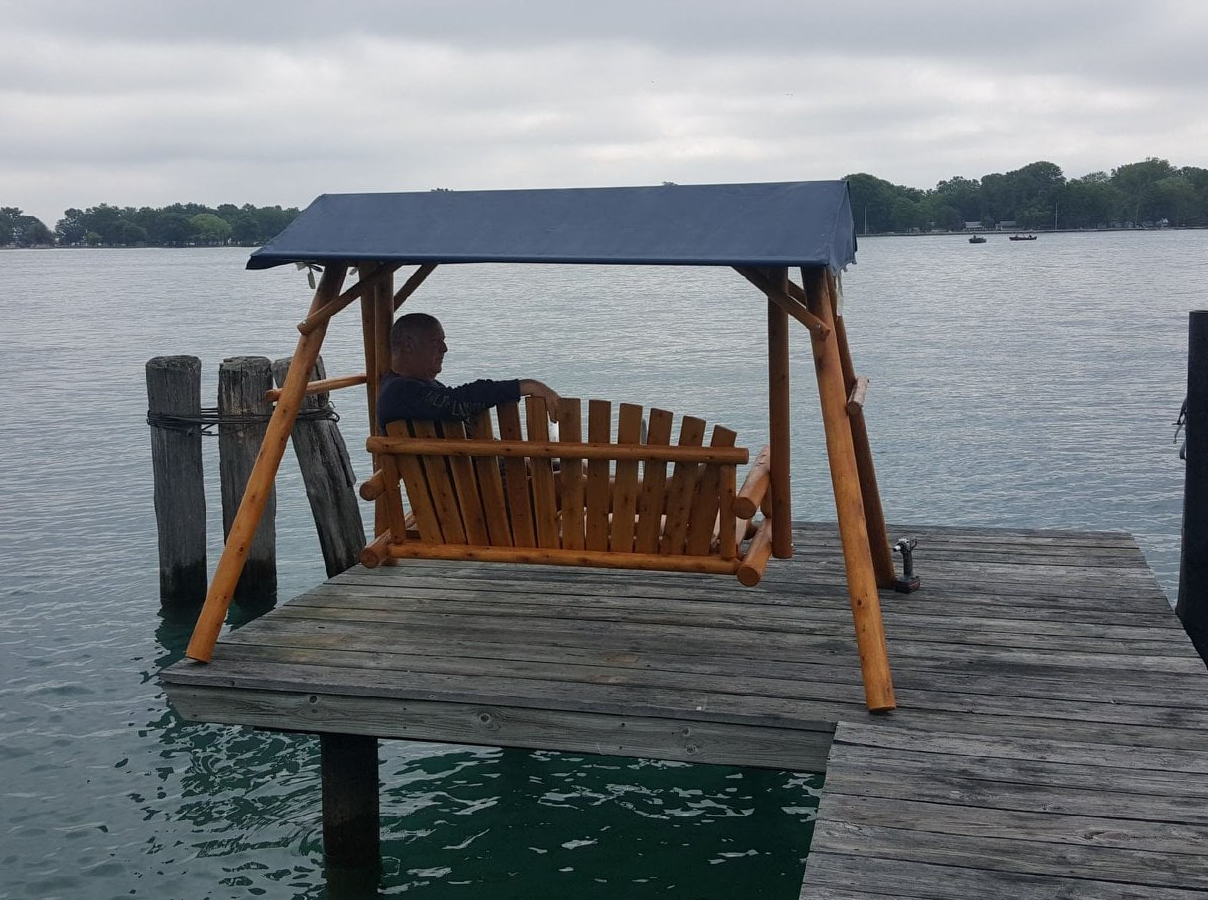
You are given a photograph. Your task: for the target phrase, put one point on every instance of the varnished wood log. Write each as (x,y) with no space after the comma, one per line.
(726,532)
(855,400)
(870,494)
(777,292)
(411,471)
(383,321)
(680,489)
(377,550)
(754,485)
(654,484)
(780,425)
(515,470)
(324,385)
(545,492)
(465,482)
(599,432)
(369,347)
(370,278)
(513,448)
(703,513)
(849,505)
(625,485)
(243,382)
(174,390)
(351,822)
(571,475)
(411,285)
(490,485)
(371,488)
(440,483)
(554,557)
(755,560)
(255,497)
(328,477)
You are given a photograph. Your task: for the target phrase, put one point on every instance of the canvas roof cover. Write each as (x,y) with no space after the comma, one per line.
(802,223)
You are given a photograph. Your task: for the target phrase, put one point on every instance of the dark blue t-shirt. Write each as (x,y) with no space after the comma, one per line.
(401,397)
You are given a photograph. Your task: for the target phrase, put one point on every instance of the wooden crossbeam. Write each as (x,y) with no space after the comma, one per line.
(363,287)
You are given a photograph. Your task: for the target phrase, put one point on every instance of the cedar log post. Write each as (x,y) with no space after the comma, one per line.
(383,321)
(874,515)
(174,389)
(351,827)
(234,554)
(329,479)
(1192,605)
(849,504)
(779,422)
(243,382)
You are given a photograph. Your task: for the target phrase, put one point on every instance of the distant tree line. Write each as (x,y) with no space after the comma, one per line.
(1151,193)
(1144,194)
(178,225)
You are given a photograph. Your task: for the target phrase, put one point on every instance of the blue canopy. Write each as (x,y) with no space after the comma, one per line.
(801,223)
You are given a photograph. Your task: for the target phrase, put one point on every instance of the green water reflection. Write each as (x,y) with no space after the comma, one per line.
(470,822)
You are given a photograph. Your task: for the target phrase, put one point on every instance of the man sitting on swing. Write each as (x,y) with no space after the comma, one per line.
(411,391)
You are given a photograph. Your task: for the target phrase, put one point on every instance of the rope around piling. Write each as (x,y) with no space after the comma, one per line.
(208,417)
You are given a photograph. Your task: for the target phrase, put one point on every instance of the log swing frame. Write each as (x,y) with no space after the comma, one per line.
(762,231)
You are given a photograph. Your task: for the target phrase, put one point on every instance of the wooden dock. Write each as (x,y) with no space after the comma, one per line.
(1049,741)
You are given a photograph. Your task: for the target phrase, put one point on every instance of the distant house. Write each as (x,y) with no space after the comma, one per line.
(974,226)
(1007,225)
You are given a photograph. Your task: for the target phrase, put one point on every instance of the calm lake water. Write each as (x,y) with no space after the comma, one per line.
(1028,384)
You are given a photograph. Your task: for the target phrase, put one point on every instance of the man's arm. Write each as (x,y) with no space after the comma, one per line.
(411,398)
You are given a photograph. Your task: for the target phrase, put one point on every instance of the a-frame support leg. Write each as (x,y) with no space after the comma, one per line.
(874,516)
(264,470)
(849,502)
(377,317)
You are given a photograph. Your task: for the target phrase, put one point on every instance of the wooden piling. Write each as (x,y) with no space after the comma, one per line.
(351,826)
(328,476)
(174,394)
(243,410)
(1192,605)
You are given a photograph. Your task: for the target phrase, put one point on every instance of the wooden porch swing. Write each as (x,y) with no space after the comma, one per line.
(532,499)
(610,503)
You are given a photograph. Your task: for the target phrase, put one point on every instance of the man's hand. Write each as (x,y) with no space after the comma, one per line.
(530,387)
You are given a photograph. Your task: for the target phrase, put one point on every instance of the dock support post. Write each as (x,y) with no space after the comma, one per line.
(243,382)
(1192,605)
(174,393)
(328,476)
(351,827)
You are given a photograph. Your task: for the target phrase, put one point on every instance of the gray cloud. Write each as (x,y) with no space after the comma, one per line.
(141,103)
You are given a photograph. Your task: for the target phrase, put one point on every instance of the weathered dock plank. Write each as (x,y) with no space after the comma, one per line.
(1048,740)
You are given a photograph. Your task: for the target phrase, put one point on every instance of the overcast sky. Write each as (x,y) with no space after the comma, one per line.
(277,101)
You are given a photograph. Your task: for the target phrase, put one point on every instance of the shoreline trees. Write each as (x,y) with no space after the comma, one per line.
(177,225)
(1150,193)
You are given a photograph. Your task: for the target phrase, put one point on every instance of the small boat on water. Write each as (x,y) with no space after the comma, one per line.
(977,239)
(1023,237)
